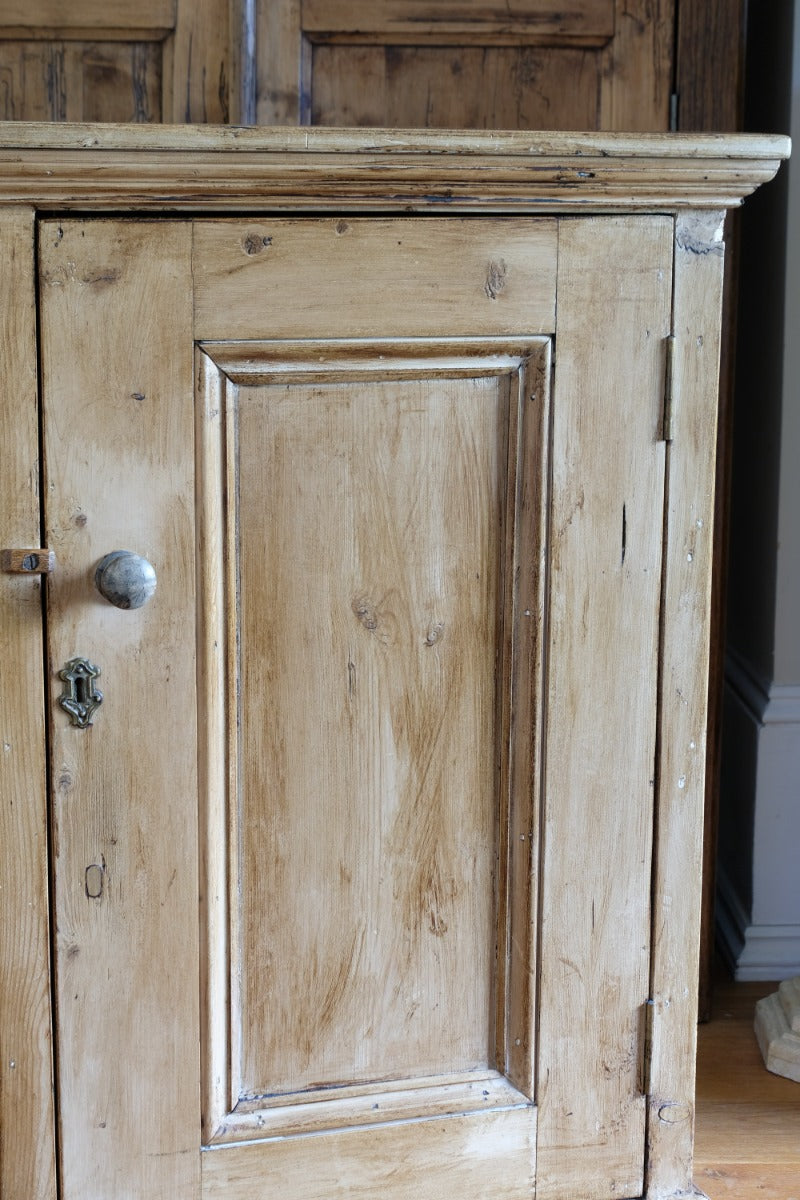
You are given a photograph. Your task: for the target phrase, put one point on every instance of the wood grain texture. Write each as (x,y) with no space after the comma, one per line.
(710,65)
(90,166)
(495,280)
(605,582)
(201,64)
(394,20)
(80,81)
(683,700)
(186,60)
(746,1141)
(377,939)
(282,59)
(638,66)
(484,1154)
(100,15)
(366,770)
(27,1133)
(118,447)
(473,87)
(709,81)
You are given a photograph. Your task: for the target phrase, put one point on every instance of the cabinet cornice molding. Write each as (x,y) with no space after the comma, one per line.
(174,168)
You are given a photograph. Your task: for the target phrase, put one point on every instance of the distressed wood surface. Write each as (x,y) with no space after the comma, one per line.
(118,448)
(390,20)
(600,740)
(322,277)
(637,70)
(382,496)
(88,166)
(202,62)
(449,1156)
(80,80)
(86,15)
(446,87)
(599,64)
(110,61)
(683,701)
(300,431)
(282,64)
(27,1133)
(119,433)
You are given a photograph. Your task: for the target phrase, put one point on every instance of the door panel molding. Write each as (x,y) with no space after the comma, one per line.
(225,373)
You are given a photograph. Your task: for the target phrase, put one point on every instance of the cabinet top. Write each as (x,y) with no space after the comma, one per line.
(182,167)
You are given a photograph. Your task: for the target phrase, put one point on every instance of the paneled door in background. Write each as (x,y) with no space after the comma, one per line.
(122,60)
(590,64)
(476,64)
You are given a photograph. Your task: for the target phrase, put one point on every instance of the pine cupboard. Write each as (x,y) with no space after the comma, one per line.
(360,857)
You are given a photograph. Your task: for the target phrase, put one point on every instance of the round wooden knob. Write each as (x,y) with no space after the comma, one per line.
(125,579)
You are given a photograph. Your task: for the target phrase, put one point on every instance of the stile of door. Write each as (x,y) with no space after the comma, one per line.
(614,315)
(118,448)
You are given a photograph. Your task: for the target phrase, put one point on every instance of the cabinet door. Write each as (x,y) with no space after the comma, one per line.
(478,64)
(316,743)
(301,938)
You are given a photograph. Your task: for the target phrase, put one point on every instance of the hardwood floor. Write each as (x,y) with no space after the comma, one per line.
(747,1143)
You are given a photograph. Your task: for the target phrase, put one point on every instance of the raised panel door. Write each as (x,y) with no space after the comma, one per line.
(350,882)
(476,64)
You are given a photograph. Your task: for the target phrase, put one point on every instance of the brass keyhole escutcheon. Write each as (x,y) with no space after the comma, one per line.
(80,697)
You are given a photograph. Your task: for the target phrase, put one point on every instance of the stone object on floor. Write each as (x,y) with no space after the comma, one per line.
(777,1027)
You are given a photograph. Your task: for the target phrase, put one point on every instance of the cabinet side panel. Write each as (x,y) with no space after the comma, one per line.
(686,617)
(27,1162)
(613,311)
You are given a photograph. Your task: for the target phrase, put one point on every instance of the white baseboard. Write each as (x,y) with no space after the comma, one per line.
(753,952)
(758,921)
(769,703)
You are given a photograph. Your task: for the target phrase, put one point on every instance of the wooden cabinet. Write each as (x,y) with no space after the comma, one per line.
(377,870)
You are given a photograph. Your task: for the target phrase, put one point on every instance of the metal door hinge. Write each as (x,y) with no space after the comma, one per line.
(649,1007)
(667,430)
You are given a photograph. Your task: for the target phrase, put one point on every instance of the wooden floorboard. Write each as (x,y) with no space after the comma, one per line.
(747,1141)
